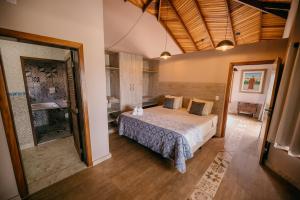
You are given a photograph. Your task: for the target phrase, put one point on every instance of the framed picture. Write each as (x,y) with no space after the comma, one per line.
(252,81)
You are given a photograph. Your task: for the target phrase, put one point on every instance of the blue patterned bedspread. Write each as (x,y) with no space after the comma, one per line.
(168,143)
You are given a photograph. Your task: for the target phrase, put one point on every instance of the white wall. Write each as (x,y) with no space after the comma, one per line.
(148,36)
(258,98)
(10,52)
(212,66)
(75,20)
(8,186)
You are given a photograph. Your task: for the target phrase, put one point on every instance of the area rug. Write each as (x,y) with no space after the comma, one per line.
(210,181)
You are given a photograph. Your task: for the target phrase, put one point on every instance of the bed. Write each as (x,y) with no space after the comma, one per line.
(175,134)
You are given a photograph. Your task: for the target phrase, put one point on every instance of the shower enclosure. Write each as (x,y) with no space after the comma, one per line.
(47,95)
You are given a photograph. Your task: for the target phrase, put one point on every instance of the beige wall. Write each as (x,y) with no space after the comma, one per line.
(212,66)
(8,186)
(79,21)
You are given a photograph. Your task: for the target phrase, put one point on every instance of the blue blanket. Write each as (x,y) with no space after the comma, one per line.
(168,143)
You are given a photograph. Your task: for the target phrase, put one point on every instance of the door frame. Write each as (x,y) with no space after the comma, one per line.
(229,86)
(6,113)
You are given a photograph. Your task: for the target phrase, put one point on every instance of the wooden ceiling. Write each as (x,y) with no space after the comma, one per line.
(197,25)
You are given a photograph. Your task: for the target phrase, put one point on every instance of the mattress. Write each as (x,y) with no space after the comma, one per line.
(194,128)
(175,134)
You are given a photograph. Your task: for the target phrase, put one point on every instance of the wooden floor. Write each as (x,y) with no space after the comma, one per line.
(135,172)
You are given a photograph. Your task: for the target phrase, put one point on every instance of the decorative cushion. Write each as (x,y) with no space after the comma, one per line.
(177,102)
(169,103)
(207,108)
(197,108)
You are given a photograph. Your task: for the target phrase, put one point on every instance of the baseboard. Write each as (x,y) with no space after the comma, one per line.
(26,146)
(100,160)
(17,197)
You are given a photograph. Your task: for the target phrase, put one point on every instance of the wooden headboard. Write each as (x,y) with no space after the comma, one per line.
(205,91)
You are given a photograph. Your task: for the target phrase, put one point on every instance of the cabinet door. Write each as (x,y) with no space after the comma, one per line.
(126,85)
(138,80)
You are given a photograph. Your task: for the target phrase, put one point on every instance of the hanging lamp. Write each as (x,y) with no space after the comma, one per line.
(225,44)
(165,54)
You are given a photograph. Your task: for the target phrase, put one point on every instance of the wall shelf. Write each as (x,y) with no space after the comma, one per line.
(150,71)
(109,110)
(112,68)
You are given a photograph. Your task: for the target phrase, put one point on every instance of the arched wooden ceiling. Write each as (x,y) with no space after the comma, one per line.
(197,25)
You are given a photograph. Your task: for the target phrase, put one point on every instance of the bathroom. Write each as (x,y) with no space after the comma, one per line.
(47,96)
(45,102)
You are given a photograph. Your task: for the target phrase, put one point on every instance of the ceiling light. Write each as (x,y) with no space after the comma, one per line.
(225,45)
(165,55)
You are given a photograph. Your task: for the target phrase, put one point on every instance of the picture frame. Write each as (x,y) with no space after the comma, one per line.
(252,81)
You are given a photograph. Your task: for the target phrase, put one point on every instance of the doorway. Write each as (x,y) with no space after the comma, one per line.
(43,108)
(250,96)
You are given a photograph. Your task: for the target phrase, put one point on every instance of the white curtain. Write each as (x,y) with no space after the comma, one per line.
(284,130)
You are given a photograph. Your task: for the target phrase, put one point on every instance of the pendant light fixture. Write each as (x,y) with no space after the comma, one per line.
(225,44)
(165,54)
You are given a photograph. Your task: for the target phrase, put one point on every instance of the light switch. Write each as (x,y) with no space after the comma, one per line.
(217,98)
(51,90)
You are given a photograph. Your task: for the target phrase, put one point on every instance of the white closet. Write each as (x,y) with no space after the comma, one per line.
(131,80)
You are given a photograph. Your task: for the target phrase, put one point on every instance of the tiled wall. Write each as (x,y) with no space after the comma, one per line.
(206,91)
(11,52)
(46,81)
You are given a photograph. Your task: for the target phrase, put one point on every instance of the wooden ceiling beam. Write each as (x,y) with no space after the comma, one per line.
(146,5)
(182,23)
(158,7)
(260,26)
(204,23)
(277,5)
(260,6)
(230,21)
(171,34)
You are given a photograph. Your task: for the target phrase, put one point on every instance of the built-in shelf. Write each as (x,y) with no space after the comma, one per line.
(150,71)
(149,104)
(112,130)
(110,110)
(111,68)
(111,120)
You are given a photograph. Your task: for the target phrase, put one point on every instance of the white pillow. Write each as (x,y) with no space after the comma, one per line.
(207,107)
(177,101)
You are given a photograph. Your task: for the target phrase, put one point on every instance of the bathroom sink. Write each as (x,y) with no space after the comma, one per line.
(44,106)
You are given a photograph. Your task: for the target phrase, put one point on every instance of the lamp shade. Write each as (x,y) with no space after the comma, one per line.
(225,45)
(165,55)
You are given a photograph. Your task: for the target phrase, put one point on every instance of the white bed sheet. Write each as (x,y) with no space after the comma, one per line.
(196,129)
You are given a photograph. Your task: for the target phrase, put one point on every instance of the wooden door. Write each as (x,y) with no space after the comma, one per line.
(73,106)
(268,110)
